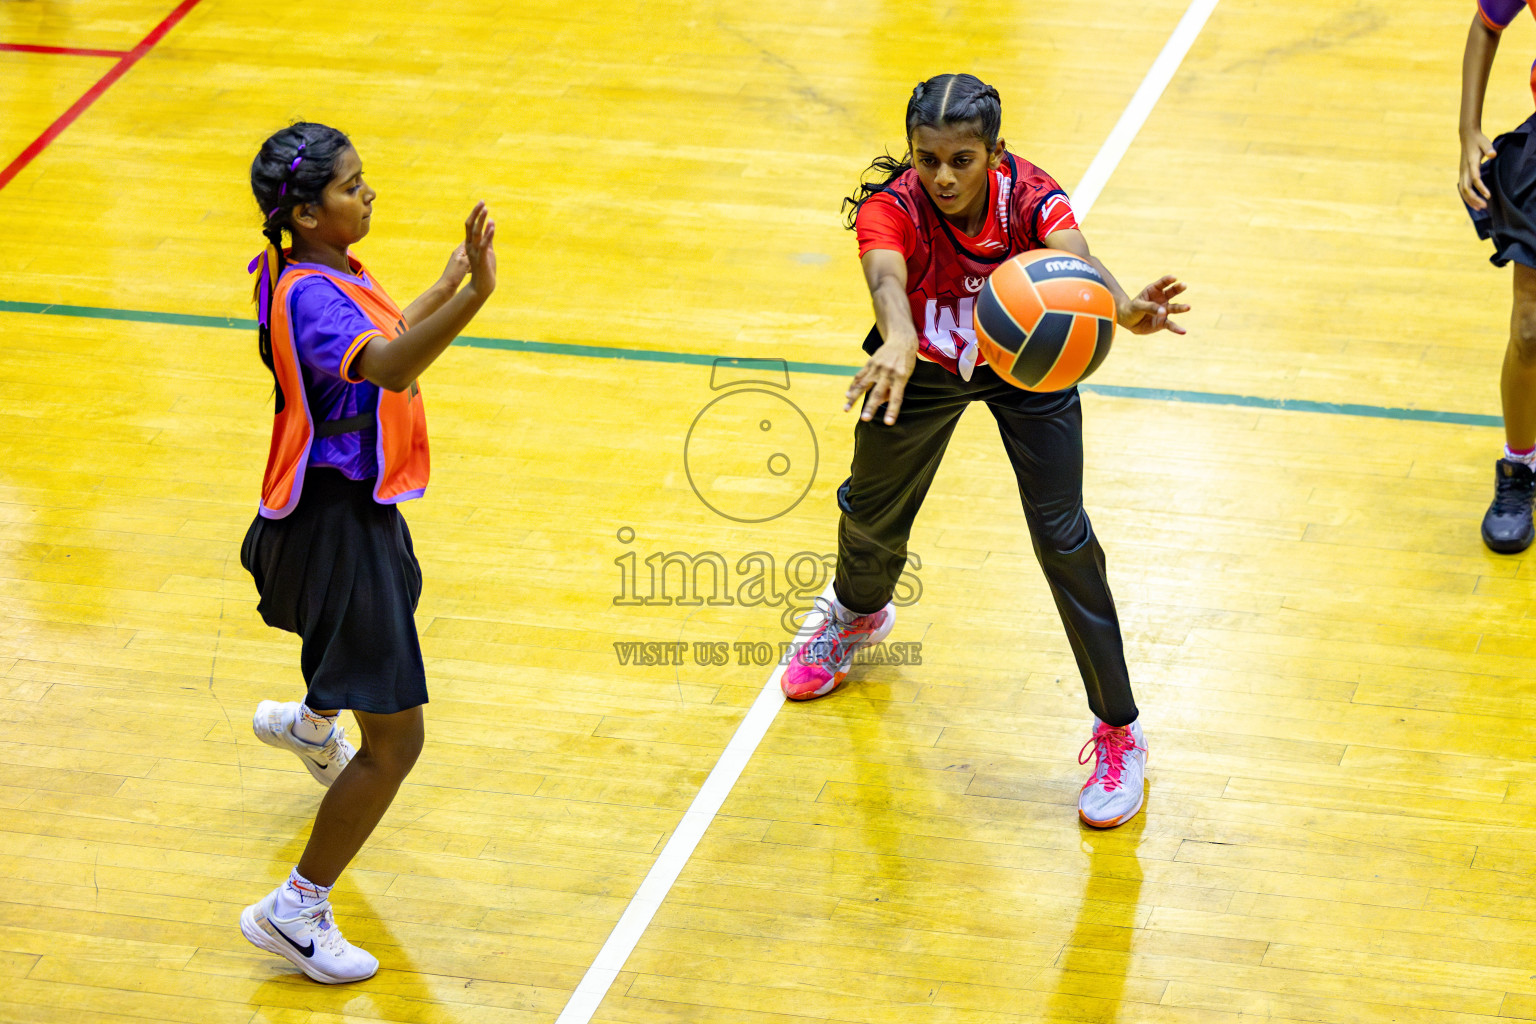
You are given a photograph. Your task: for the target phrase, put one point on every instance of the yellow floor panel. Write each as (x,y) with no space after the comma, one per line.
(37,88)
(93,25)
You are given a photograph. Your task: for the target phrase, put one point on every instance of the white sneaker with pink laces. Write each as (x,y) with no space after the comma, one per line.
(1113,793)
(820,664)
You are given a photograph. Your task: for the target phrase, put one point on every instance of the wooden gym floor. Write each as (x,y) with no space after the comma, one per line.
(1335,677)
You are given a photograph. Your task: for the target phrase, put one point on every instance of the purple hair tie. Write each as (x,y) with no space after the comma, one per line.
(263,285)
(298,158)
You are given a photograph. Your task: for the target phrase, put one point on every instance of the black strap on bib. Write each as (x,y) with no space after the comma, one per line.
(350,425)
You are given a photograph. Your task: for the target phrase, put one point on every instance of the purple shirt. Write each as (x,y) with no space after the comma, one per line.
(1499,13)
(328,332)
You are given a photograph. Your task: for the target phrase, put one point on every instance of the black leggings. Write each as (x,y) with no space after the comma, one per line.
(1043,435)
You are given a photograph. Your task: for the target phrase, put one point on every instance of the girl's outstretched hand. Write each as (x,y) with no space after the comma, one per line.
(479,232)
(1148,312)
(885,378)
(456,270)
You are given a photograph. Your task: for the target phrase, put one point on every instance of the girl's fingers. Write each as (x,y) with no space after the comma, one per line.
(877,398)
(855,389)
(867,410)
(1475,178)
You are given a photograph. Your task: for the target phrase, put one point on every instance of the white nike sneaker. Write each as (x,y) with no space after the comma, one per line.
(311,940)
(273,725)
(1113,793)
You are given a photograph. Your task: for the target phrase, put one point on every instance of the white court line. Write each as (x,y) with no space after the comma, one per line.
(647,900)
(722,779)
(1140,107)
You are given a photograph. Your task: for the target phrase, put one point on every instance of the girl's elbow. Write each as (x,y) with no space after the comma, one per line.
(389,380)
(394,384)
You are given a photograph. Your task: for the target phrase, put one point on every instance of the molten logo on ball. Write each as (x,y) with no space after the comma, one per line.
(1045,320)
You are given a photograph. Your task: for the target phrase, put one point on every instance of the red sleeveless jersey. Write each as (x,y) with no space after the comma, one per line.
(946,268)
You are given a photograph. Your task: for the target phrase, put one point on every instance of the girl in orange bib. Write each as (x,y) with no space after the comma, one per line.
(329,550)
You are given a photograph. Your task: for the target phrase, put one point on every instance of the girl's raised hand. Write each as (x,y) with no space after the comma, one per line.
(1148,312)
(479,233)
(456,270)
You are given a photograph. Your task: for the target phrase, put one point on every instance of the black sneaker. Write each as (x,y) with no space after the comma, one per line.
(1507,527)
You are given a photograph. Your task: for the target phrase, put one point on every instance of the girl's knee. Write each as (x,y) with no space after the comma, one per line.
(1062,533)
(394,744)
(1522,320)
(1522,334)
(397,758)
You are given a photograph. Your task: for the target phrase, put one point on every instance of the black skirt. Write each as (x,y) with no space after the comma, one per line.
(340,571)
(1510,219)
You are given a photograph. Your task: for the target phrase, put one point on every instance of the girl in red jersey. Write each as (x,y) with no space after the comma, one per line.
(329,550)
(929,235)
(1501,197)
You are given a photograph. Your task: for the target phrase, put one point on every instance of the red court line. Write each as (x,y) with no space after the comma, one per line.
(92,94)
(67,51)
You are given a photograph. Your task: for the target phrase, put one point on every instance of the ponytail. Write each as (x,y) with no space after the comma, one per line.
(268,266)
(292,170)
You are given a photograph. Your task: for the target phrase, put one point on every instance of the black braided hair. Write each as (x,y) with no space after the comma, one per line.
(941,101)
(292,169)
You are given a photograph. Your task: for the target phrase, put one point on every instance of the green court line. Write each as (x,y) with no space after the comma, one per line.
(829,369)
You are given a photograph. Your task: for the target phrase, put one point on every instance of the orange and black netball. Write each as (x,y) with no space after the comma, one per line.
(1045,320)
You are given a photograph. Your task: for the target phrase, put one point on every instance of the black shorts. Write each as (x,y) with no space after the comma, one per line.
(340,571)
(1510,219)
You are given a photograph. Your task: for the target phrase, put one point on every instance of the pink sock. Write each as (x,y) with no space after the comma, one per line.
(1526,456)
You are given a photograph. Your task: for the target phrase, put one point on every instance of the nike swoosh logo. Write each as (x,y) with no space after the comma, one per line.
(322,767)
(304,950)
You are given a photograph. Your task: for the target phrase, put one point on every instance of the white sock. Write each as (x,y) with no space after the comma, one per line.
(841,613)
(299,893)
(846,615)
(310,727)
(1526,458)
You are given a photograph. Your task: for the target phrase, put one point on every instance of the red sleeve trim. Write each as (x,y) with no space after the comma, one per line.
(1056,214)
